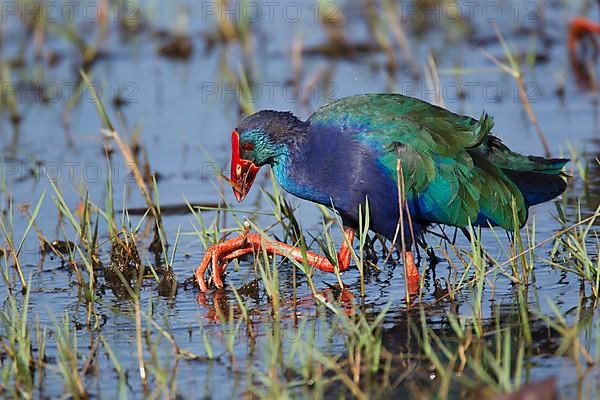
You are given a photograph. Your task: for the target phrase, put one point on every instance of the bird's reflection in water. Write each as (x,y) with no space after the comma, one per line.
(222,305)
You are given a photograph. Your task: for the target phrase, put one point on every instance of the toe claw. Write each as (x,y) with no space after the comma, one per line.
(216,273)
(201,271)
(212,258)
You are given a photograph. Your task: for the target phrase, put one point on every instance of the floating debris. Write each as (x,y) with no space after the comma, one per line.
(62,246)
(176,46)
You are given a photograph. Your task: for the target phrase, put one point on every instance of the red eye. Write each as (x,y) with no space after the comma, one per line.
(248,146)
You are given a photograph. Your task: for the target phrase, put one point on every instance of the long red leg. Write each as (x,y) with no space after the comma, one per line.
(412,274)
(220,253)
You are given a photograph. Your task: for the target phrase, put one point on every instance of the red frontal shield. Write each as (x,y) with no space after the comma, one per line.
(243,172)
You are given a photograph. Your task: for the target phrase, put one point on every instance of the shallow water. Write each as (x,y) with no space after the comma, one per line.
(185,111)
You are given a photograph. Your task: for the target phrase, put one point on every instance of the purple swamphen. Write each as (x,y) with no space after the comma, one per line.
(350,154)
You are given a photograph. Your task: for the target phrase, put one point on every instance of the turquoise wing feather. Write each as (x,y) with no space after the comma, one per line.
(447,176)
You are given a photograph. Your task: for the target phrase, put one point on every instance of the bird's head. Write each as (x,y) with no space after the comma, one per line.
(261,138)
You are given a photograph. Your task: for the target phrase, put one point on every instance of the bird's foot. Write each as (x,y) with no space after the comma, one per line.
(219,255)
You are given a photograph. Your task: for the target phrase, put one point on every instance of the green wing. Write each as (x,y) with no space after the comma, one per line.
(445,175)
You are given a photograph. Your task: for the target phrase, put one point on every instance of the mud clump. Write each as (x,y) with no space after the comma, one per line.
(167,287)
(177,46)
(124,263)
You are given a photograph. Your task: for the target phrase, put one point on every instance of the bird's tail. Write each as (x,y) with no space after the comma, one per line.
(537,187)
(539,179)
